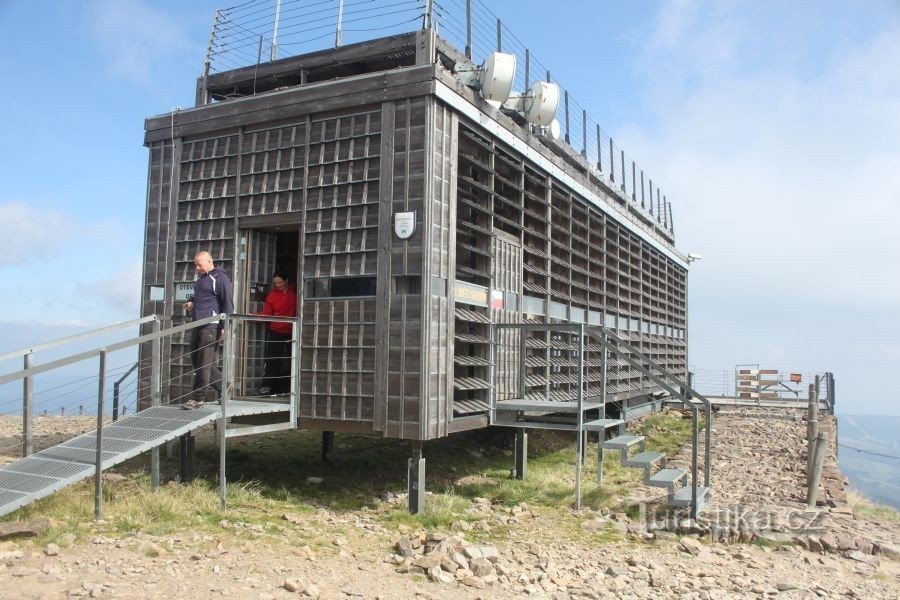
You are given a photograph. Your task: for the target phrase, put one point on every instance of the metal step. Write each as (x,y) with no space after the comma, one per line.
(668,478)
(546,406)
(683,497)
(623,442)
(644,460)
(602,424)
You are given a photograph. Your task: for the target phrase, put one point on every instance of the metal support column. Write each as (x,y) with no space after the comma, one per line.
(155,398)
(521,452)
(327,445)
(416,480)
(98,465)
(227,389)
(695,435)
(579,442)
(27,409)
(602,433)
(186,458)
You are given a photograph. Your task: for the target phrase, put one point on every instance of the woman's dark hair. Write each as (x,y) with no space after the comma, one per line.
(280,275)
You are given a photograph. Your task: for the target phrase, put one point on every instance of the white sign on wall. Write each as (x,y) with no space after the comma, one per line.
(405,224)
(184,292)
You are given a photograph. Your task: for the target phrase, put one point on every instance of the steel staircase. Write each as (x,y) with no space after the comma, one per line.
(582,409)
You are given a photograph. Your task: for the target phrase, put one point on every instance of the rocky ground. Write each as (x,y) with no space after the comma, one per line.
(756,474)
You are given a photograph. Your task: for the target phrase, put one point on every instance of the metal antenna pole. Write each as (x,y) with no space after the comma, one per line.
(274,53)
(469,29)
(499,36)
(428,17)
(207,61)
(337,34)
(527,69)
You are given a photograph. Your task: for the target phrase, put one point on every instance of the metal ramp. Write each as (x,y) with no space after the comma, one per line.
(50,470)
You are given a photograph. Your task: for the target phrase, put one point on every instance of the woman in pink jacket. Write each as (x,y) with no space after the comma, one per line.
(280,302)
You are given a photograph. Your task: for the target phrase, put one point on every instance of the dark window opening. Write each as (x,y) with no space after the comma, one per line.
(340,287)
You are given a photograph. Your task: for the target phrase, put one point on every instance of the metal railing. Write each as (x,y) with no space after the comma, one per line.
(782,385)
(155,388)
(569,379)
(260,31)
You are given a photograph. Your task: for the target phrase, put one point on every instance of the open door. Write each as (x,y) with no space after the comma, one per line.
(267,252)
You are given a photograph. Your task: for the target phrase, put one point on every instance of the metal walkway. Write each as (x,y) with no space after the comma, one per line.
(39,475)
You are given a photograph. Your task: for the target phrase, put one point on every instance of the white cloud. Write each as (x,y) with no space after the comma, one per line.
(783,176)
(137,36)
(119,290)
(779,148)
(31,234)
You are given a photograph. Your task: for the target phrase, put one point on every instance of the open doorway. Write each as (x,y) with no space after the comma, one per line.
(265,365)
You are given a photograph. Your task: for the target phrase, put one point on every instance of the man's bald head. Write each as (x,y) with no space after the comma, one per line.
(203,262)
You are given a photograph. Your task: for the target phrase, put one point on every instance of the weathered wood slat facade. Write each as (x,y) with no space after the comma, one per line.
(395,333)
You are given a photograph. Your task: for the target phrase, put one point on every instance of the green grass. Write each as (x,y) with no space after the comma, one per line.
(863,507)
(667,431)
(268,475)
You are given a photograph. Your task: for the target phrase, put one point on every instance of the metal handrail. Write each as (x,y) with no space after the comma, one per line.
(604,336)
(76,337)
(229,324)
(109,348)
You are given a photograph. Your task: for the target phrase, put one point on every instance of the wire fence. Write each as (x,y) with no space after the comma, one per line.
(774,385)
(264,30)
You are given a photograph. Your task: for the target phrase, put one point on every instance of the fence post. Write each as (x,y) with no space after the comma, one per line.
(584,133)
(566,97)
(633,181)
(812,430)
(98,466)
(599,153)
(27,409)
(642,189)
(155,398)
(622,161)
(612,161)
(816,473)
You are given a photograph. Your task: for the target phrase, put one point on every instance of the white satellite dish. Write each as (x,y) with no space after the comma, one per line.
(497,75)
(541,103)
(554,130)
(551,131)
(493,79)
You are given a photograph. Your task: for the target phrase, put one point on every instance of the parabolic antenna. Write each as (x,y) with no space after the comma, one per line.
(553,130)
(541,103)
(497,75)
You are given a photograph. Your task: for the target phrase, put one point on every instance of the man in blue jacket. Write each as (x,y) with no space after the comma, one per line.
(212,296)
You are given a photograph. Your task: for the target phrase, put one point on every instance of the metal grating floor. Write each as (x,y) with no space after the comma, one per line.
(39,475)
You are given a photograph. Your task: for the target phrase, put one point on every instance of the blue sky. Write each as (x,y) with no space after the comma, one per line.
(772,127)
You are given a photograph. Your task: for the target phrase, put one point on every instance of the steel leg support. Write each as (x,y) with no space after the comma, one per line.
(416,480)
(327,445)
(187,458)
(521,453)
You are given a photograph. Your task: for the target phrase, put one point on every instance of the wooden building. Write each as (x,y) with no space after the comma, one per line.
(310,164)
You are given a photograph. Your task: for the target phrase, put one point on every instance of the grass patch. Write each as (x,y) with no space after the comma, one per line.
(863,507)
(667,431)
(270,475)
